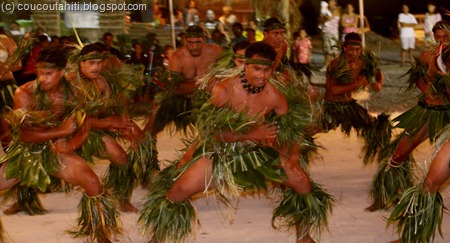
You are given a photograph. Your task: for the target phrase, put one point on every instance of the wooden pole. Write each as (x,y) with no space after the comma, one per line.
(361,13)
(172,24)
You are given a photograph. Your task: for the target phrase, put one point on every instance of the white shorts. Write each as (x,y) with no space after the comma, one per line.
(408,42)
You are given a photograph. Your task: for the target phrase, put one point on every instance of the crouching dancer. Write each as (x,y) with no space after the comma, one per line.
(419,212)
(240,147)
(44,121)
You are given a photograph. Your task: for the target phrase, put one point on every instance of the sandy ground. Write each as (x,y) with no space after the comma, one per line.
(340,171)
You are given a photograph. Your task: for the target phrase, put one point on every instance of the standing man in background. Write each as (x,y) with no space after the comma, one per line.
(406,23)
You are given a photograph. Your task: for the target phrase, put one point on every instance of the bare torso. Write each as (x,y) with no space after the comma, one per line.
(429,58)
(25,98)
(192,67)
(234,96)
(336,92)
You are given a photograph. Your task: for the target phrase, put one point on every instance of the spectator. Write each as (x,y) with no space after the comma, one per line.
(138,57)
(259,36)
(189,14)
(349,21)
(211,21)
(15,32)
(29,71)
(302,53)
(55,41)
(168,49)
(431,18)
(179,41)
(330,30)
(217,38)
(406,24)
(227,19)
(250,34)
(237,30)
(108,40)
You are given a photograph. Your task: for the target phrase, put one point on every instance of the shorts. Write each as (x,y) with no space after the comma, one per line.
(408,42)
(329,44)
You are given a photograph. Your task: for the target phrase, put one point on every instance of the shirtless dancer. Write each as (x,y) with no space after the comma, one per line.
(47,100)
(274,32)
(102,113)
(423,121)
(249,96)
(186,65)
(7,82)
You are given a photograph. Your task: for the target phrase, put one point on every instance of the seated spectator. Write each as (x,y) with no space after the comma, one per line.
(138,57)
(108,40)
(217,38)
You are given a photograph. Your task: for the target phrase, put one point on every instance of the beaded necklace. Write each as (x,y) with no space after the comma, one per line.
(250,88)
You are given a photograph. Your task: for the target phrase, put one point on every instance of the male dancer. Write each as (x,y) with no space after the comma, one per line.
(237,130)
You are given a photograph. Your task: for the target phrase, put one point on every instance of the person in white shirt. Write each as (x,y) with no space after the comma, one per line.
(406,24)
(431,18)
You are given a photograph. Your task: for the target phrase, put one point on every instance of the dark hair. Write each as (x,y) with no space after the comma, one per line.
(107,34)
(352,38)
(250,30)
(43,38)
(441,25)
(136,43)
(53,55)
(168,47)
(194,31)
(261,49)
(272,23)
(92,48)
(237,25)
(241,45)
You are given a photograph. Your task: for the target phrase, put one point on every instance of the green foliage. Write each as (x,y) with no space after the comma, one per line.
(389,182)
(418,215)
(98,219)
(309,211)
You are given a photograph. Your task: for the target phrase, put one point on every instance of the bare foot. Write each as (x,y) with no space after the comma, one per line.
(306,239)
(13,209)
(374,207)
(127,207)
(395,241)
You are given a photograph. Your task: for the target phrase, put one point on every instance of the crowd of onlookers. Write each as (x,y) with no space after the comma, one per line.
(226,30)
(335,22)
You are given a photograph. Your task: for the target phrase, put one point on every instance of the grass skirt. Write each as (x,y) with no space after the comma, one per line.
(167,221)
(309,211)
(33,163)
(98,219)
(418,215)
(389,182)
(412,120)
(7,88)
(141,165)
(27,199)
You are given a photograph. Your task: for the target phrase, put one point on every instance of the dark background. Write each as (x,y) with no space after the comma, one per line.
(381,14)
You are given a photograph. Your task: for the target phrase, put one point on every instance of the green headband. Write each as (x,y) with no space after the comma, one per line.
(352,42)
(258,61)
(274,26)
(95,55)
(49,65)
(239,56)
(195,34)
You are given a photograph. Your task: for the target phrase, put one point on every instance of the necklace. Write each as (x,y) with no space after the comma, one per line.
(250,88)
